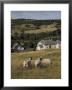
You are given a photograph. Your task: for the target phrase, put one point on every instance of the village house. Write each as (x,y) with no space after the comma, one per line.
(17,47)
(45,44)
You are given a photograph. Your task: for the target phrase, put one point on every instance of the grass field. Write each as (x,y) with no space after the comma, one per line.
(49,72)
(49,28)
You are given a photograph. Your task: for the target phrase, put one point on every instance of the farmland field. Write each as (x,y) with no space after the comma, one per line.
(49,72)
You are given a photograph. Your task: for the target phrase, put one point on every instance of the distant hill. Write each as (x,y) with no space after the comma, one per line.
(15,22)
(34,26)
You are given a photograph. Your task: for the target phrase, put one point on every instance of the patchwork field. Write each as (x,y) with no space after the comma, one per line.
(49,72)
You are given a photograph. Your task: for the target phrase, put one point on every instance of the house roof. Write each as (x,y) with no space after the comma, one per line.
(16,45)
(50,42)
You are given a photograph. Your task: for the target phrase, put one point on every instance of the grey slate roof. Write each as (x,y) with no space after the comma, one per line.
(17,46)
(50,42)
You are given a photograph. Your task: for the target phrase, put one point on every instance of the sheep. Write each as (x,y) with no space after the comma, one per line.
(42,62)
(46,62)
(27,63)
(38,62)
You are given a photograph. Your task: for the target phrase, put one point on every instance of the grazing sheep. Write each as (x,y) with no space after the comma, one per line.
(38,62)
(46,62)
(42,62)
(27,63)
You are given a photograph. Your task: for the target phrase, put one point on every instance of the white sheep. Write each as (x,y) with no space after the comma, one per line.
(37,62)
(46,62)
(27,63)
(42,62)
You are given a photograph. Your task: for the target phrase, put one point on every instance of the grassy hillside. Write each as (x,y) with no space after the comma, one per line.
(49,72)
(34,26)
(46,29)
(29,32)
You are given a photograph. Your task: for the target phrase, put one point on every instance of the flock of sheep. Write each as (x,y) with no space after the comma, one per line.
(40,62)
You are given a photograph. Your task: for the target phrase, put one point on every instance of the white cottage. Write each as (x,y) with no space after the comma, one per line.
(45,44)
(58,44)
